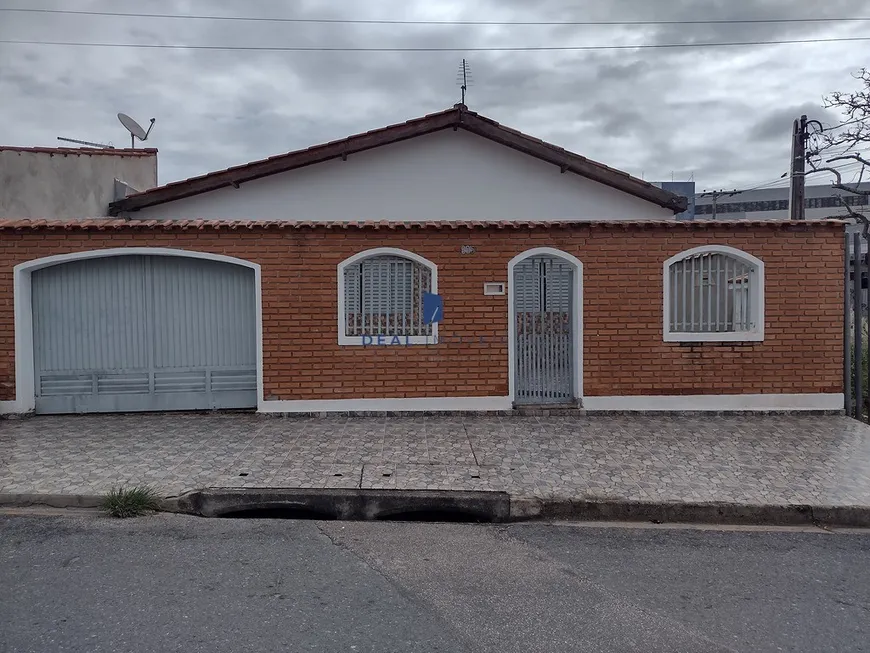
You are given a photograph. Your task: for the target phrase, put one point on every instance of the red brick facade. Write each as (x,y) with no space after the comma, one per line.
(623,350)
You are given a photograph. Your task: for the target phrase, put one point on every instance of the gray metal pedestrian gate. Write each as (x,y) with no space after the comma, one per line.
(543,309)
(139,333)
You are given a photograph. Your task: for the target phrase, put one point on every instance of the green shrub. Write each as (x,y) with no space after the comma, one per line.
(131,502)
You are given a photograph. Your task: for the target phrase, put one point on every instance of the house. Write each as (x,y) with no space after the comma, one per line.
(71,182)
(300,284)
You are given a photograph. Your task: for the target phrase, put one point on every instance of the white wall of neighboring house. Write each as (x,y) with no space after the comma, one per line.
(448,175)
(69,182)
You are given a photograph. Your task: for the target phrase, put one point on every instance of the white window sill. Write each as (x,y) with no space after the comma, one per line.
(387,341)
(729,336)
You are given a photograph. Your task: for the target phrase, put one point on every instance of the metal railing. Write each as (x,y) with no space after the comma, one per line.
(710,293)
(856,317)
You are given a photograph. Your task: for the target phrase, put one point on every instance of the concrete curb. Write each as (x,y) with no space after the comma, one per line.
(693,513)
(25,500)
(486,506)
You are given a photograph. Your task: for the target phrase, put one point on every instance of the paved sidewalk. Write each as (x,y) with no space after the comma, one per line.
(753,459)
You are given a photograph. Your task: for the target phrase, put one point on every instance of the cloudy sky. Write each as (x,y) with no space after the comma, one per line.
(722,115)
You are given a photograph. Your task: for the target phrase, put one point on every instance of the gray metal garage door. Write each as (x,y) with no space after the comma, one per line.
(137,333)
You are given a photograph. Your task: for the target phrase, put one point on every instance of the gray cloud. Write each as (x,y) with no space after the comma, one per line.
(777,124)
(617,71)
(715,112)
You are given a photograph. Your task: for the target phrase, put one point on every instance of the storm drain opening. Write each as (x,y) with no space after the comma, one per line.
(277,512)
(437,515)
(355,504)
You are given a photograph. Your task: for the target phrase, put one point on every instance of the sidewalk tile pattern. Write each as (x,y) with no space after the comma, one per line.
(754,459)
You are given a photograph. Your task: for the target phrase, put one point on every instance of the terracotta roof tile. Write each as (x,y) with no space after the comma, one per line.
(103,224)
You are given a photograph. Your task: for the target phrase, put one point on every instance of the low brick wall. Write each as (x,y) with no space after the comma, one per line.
(623,350)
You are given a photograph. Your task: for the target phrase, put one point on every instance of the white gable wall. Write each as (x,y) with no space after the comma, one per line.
(447,175)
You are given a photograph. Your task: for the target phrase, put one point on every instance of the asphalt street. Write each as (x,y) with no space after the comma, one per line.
(174,583)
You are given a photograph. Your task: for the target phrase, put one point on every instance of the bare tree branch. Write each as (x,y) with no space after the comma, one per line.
(860,217)
(848,141)
(839,185)
(845,157)
(833,171)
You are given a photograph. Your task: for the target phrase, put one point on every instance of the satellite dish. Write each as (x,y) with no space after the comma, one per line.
(134,128)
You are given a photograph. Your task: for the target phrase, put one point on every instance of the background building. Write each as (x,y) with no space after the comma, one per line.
(62,182)
(683,189)
(822,201)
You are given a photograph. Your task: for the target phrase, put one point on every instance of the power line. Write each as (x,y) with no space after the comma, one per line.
(737,191)
(347,21)
(536,48)
(768,185)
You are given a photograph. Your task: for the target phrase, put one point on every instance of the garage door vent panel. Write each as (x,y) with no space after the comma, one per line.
(112,384)
(180,382)
(66,384)
(233,380)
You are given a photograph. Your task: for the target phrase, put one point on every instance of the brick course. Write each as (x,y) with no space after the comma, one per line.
(623,351)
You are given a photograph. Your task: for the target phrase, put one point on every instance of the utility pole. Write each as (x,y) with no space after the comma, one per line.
(797,187)
(716,194)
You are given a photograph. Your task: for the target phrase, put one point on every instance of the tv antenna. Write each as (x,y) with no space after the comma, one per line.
(101,146)
(135,128)
(463,78)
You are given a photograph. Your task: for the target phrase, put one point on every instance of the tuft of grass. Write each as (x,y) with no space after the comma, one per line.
(131,502)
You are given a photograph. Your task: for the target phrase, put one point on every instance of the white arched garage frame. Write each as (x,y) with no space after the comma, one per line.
(25,389)
(576,318)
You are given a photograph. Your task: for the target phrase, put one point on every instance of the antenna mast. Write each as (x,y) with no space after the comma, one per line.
(101,146)
(463,78)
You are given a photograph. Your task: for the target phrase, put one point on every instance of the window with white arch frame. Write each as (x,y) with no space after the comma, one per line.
(380,298)
(713,293)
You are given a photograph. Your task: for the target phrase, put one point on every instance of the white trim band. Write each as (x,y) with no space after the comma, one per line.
(762,402)
(384,405)
(663,403)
